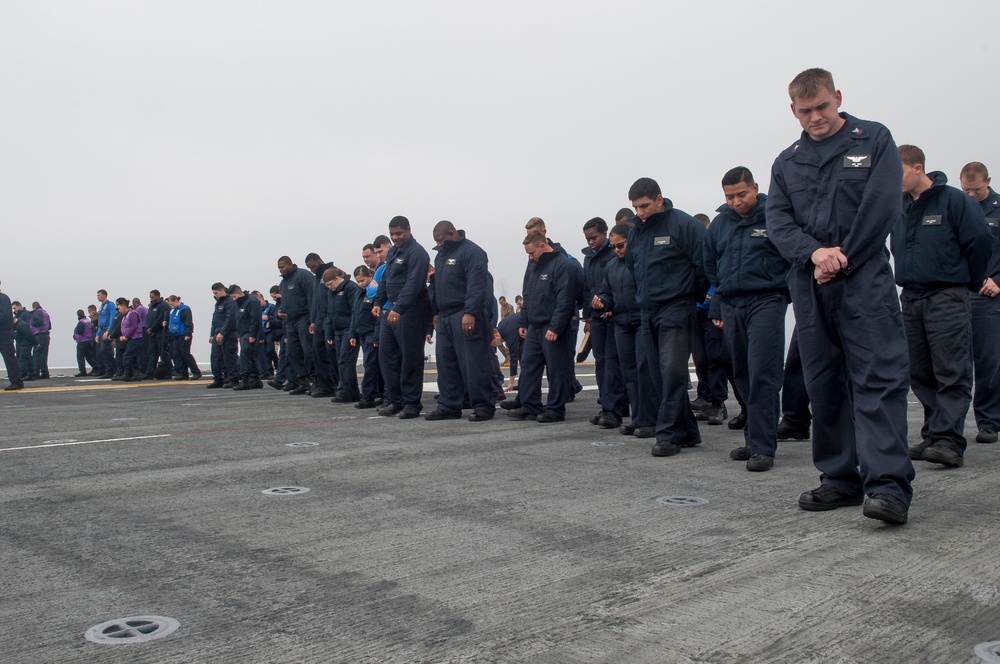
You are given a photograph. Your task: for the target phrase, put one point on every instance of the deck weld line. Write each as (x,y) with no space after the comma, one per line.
(83,442)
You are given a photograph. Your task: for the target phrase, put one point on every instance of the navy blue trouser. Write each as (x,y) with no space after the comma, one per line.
(347,365)
(107,352)
(666,337)
(372,385)
(939,339)
(40,355)
(183,360)
(607,366)
(249,368)
(628,349)
(324,365)
(755,332)
(10,357)
(465,364)
(154,351)
(539,356)
(85,355)
(707,349)
(134,356)
(794,398)
(225,359)
(854,358)
(986,359)
(297,342)
(401,355)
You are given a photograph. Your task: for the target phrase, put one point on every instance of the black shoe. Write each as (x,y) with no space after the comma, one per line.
(626,429)
(80,375)
(693,441)
(715,414)
(30,378)
(321,394)
(340,398)
(276,384)
(367,403)
(107,376)
(548,416)
(740,453)
(196,376)
(664,448)
(786,431)
(595,419)
(301,389)
(243,385)
(481,415)
(827,497)
(519,414)
(114,377)
(409,413)
(760,462)
(885,507)
(609,421)
(510,404)
(944,456)
(231,385)
(437,414)
(986,436)
(917,451)
(214,385)
(700,404)
(644,432)
(180,377)
(738,422)
(389,410)
(14,387)
(256,384)
(288,387)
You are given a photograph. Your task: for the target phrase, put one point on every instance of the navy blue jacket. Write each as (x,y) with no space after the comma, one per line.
(248,323)
(115,331)
(22,334)
(156,314)
(362,321)
(340,313)
(740,261)
(550,292)
(404,282)
(225,318)
(275,325)
(594,265)
(991,208)
(6,315)
(618,294)
(665,255)
(940,240)
(296,292)
(849,200)
(320,301)
(461,279)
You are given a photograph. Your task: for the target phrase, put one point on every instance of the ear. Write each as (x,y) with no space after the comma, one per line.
(840,98)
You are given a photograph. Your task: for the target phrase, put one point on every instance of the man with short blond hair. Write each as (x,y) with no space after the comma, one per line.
(975,180)
(833,198)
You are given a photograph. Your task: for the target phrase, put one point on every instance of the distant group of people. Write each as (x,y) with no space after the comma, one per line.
(654,289)
(24,342)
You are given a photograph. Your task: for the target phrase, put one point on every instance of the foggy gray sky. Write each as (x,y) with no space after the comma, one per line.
(173,144)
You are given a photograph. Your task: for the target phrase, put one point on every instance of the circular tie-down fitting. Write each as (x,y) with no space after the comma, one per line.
(680,501)
(608,443)
(302,444)
(136,629)
(285,491)
(989,652)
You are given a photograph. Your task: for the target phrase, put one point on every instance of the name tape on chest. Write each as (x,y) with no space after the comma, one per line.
(932,220)
(451,261)
(758,232)
(543,277)
(857,161)
(661,241)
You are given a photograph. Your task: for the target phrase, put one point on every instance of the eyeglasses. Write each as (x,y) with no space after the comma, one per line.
(620,245)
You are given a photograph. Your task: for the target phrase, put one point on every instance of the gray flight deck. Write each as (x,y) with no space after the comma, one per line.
(455,541)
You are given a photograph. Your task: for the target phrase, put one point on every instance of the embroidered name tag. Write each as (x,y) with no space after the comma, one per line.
(932,220)
(661,241)
(451,261)
(758,232)
(398,261)
(857,161)
(368,300)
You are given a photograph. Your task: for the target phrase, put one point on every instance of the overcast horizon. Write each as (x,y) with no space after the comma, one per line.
(172,145)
